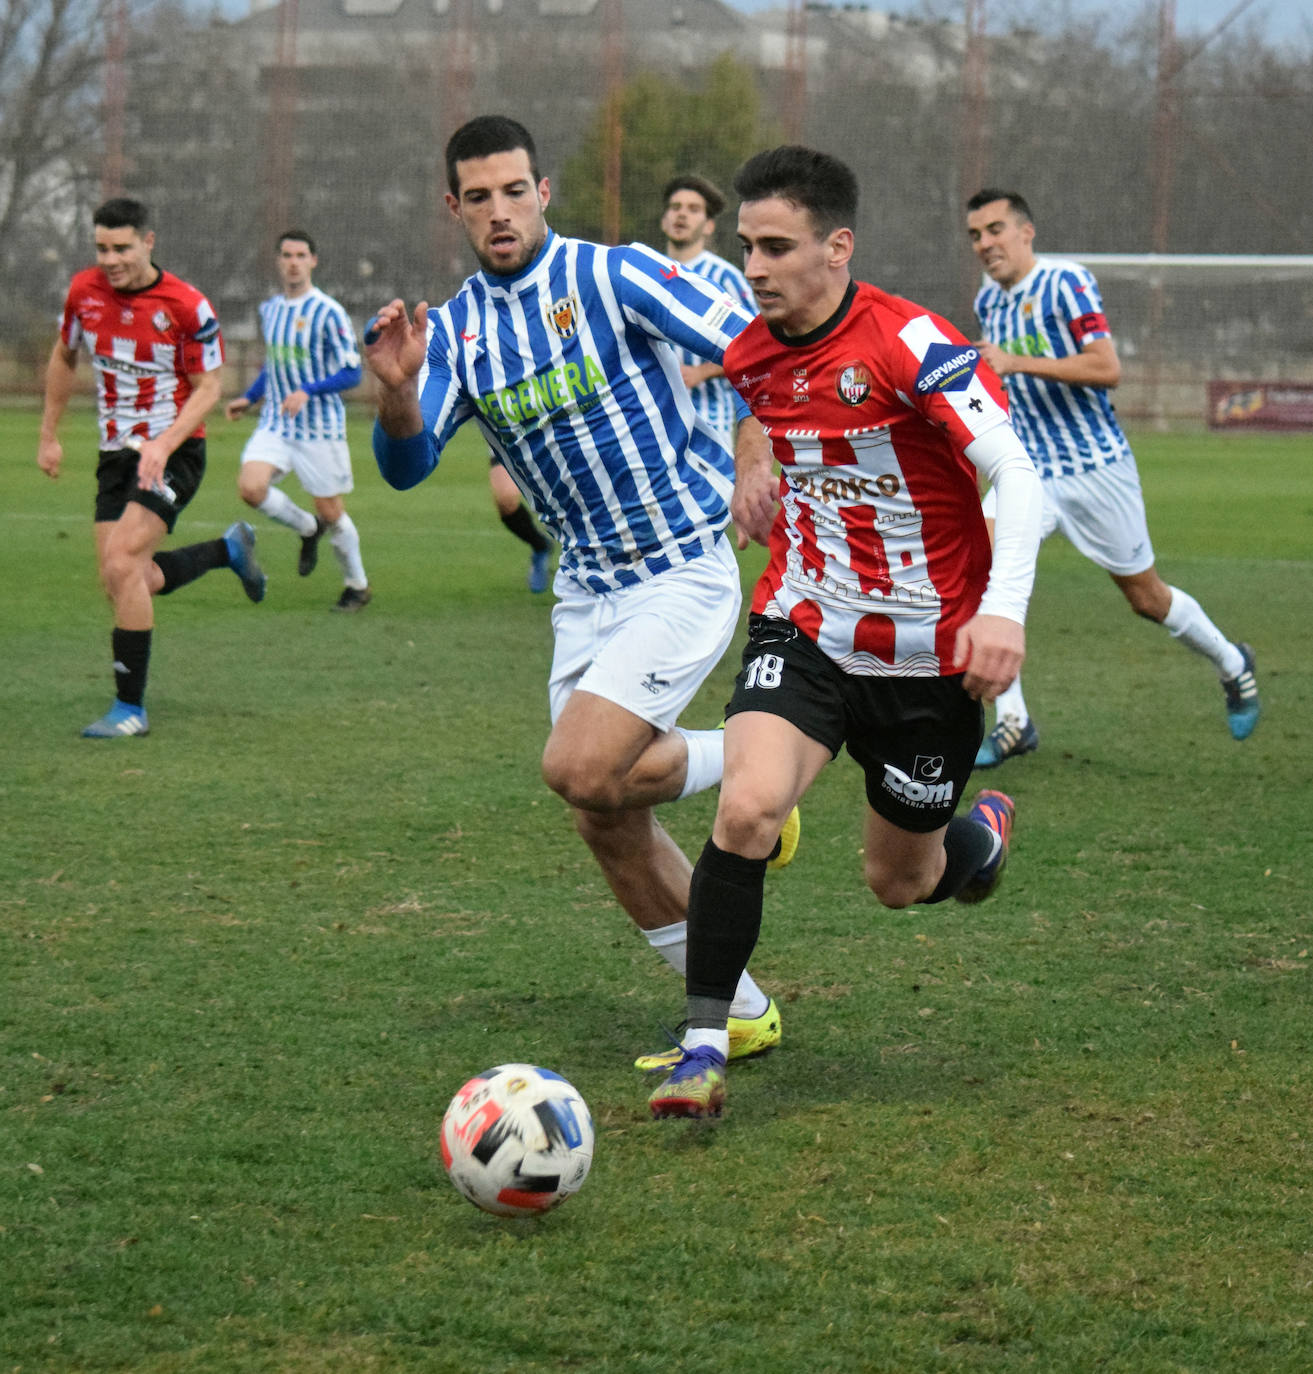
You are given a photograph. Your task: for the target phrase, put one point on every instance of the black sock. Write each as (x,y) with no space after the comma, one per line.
(968,845)
(724,920)
(186,564)
(520,523)
(131,650)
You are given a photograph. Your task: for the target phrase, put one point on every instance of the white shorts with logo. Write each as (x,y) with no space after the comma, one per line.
(647,648)
(322,466)
(1101,512)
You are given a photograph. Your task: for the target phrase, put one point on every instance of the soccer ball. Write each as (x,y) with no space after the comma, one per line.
(517,1140)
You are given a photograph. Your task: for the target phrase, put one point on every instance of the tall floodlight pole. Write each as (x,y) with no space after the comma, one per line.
(795,72)
(454,106)
(613,73)
(116,85)
(1162,172)
(280,132)
(973,132)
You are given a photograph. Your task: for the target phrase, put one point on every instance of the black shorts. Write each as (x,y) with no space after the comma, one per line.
(915,738)
(116,482)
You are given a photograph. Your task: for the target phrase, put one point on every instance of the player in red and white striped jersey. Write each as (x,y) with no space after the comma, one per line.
(881,623)
(155,345)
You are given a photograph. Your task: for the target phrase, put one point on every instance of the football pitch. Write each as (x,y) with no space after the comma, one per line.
(248,959)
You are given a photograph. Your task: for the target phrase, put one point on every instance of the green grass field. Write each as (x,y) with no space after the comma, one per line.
(248,959)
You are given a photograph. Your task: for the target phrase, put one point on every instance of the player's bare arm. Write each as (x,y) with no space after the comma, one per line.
(1097,364)
(694,374)
(756,487)
(59,387)
(155,453)
(295,402)
(239,405)
(394,348)
(991,650)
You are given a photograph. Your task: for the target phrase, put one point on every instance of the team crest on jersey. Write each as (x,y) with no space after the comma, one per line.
(563,316)
(801,386)
(125,317)
(947,367)
(161,322)
(853,384)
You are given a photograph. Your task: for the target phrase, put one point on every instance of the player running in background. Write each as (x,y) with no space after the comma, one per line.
(155,345)
(1046,335)
(517,518)
(881,622)
(689,224)
(559,350)
(310,359)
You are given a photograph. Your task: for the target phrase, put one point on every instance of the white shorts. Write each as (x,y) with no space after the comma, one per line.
(647,648)
(1101,512)
(322,466)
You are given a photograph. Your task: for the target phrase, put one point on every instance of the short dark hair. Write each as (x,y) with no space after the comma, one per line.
(1016,202)
(122,213)
(298,236)
(708,190)
(816,182)
(484,136)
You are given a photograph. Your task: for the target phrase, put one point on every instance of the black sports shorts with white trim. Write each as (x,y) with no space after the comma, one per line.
(116,482)
(915,738)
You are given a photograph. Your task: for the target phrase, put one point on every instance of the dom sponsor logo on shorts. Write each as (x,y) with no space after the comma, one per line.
(921,787)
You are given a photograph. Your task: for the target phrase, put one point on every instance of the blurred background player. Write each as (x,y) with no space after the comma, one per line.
(156,348)
(1046,335)
(559,350)
(689,224)
(517,518)
(310,359)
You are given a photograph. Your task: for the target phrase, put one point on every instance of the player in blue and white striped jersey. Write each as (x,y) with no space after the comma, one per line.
(689,224)
(1046,335)
(563,353)
(310,359)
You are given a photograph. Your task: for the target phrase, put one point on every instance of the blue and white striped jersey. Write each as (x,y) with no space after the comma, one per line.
(309,344)
(714,399)
(569,370)
(1052,312)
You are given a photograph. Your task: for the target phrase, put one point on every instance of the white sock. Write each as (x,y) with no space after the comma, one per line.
(346,549)
(277,505)
(717,1040)
(671,943)
(1185,620)
(706,759)
(1011,705)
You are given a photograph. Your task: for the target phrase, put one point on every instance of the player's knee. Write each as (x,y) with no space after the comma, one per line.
(582,780)
(251,489)
(895,888)
(744,826)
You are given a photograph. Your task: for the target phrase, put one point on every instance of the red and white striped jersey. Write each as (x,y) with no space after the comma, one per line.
(143,345)
(880,553)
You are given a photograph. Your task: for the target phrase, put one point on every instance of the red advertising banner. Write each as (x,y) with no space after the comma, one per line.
(1260,405)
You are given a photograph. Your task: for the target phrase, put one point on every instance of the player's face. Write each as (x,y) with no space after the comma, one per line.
(1001,239)
(797,277)
(296,265)
(501,210)
(685,222)
(123,255)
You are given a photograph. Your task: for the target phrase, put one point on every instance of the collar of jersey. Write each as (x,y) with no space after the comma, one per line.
(821,330)
(511,285)
(1024,285)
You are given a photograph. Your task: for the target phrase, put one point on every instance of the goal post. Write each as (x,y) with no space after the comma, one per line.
(1221,338)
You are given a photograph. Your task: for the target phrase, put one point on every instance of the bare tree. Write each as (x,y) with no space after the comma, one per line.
(51,56)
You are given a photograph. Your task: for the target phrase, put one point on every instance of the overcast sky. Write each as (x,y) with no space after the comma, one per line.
(1278,19)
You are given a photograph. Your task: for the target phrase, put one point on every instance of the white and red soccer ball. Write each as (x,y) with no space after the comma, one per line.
(517,1140)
